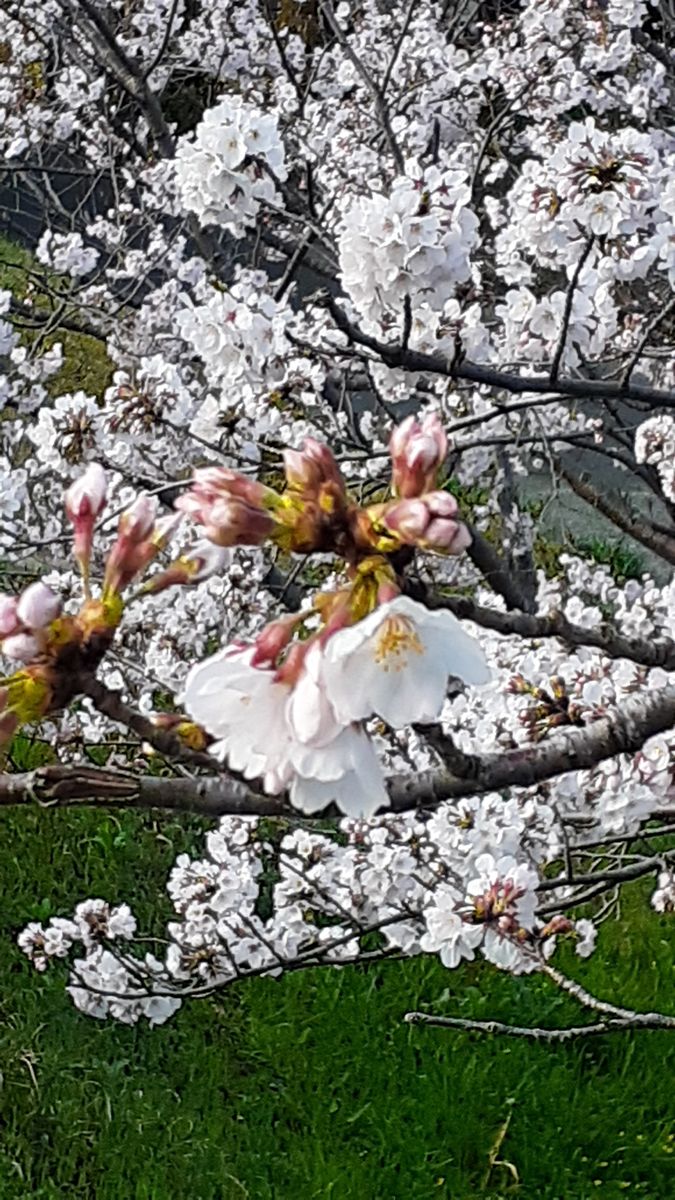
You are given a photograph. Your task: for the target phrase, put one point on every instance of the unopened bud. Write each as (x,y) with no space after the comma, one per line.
(408,519)
(85,500)
(418,452)
(139,540)
(138,521)
(428,522)
(447,537)
(212,483)
(38,606)
(234,510)
(9,621)
(86,497)
(236,523)
(21,647)
(314,469)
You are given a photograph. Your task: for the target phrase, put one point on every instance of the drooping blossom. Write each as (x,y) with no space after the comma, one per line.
(284,733)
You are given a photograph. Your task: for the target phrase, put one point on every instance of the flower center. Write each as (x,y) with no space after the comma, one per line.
(397,640)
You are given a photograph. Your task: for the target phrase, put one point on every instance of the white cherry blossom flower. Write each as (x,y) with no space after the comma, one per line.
(396,663)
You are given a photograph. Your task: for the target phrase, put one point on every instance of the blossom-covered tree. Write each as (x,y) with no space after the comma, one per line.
(357,269)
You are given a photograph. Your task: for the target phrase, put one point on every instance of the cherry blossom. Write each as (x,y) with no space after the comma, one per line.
(396,663)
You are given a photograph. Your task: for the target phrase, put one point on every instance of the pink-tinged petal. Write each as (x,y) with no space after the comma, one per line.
(9,621)
(86,497)
(38,606)
(22,647)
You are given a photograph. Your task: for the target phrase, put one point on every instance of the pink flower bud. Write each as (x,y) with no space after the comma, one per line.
(86,497)
(139,539)
(308,469)
(212,483)
(234,510)
(428,522)
(400,436)
(273,639)
(235,523)
(137,523)
(38,606)
(85,500)
(408,519)
(417,452)
(21,647)
(441,504)
(9,621)
(299,470)
(450,537)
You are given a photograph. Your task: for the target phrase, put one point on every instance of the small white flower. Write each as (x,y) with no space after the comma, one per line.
(587,934)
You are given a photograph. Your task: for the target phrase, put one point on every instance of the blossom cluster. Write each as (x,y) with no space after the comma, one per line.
(231,166)
(413,243)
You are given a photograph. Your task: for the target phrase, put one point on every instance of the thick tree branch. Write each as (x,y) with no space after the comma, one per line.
(658,543)
(623,732)
(644,651)
(495,571)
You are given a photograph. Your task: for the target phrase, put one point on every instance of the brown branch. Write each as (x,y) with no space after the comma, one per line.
(623,732)
(613,1025)
(659,543)
(111,704)
(394,355)
(646,652)
(494,570)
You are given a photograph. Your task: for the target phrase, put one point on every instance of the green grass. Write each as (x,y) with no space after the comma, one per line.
(86,366)
(312,1086)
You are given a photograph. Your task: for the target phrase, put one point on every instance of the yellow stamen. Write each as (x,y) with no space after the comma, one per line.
(397,640)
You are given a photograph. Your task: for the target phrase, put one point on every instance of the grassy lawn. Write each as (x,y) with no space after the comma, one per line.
(312,1086)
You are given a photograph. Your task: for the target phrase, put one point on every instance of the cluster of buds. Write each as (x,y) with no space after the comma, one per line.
(55,650)
(498,906)
(312,514)
(315,512)
(550,709)
(28,624)
(25,622)
(429,522)
(233,509)
(140,538)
